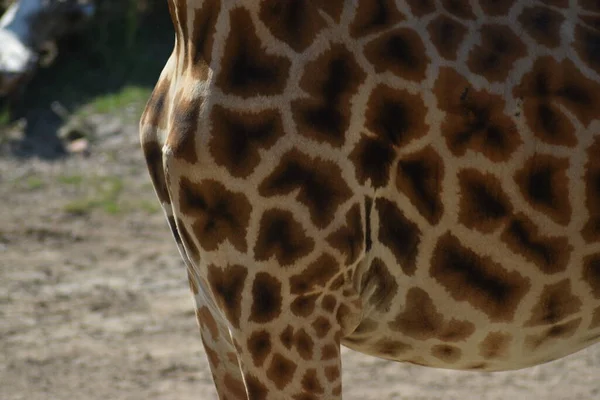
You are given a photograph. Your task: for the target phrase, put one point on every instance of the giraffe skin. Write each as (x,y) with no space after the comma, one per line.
(416,180)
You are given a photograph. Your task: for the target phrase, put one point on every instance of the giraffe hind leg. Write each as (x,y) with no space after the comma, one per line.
(220,351)
(216,339)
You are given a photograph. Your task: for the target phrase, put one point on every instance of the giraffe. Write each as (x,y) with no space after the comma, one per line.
(418,180)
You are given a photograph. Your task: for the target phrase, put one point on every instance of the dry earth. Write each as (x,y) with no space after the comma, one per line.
(94,302)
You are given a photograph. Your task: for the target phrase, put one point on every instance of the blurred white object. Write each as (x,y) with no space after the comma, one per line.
(29,28)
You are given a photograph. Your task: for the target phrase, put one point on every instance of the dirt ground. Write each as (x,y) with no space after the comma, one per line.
(94,302)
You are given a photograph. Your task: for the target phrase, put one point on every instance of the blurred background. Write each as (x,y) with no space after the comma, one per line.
(94,301)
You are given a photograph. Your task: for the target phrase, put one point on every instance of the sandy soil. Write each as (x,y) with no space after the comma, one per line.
(94,302)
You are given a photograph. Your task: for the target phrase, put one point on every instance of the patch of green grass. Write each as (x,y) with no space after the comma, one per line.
(70,179)
(126,97)
(151,207)
(33,183)
(103,193)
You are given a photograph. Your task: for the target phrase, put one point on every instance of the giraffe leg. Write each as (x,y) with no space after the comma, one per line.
(215,334)
(294,358)
(216,338)
(221,354)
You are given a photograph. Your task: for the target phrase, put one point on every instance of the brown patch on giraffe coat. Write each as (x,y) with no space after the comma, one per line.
(544,184)
(380,284)
(332,7)
(247,69)
(330,82)
(235,386)
(420,8)
(303,306)
(218,214)
(310,382)
(587,42)
(349,239)
(332,373)
(591,21)
(179,17)
(173,15)
(550,254)
(328,303)
(281,370)
(555,304)
(591,273)
(477,279)
(495,57)
(256,389)
(287,337)
(282,237)
(330,352)
(368,209)
(155,113)
(446,35)
(315,183)
(542,24)
(496,7)
(304,344)
(321,326)
(446,353)
(459,8)
(595,319)
(475,119)
(337,283)
(395,116)
(213,356)
(154,161)
(551,85)
(315,276)
(419,176)
(495,345)
(589,5)
(591,230)
(374,16)
(259,345)
(483,204)
(202,40)
(558,331)
(295,22)
(205,319)
(400,52)
(399,234)
(266,298)
(227,285)
(372,159)
(391,349)
(238,137)
(421,320)
(305,396)
(183,125)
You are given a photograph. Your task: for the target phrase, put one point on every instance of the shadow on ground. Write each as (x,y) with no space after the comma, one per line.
(122,47)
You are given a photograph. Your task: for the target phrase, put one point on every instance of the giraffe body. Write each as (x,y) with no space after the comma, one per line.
(416,180)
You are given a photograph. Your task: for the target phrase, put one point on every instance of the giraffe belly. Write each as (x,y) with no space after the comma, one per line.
(487,351)
(465,323)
